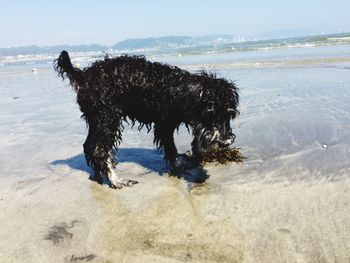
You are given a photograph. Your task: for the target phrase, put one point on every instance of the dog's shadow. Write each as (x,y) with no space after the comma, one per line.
(150,159)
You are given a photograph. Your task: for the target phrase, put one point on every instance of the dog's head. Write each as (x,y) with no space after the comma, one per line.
(217,105)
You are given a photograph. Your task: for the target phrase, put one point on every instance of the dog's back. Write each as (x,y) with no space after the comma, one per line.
(136,71)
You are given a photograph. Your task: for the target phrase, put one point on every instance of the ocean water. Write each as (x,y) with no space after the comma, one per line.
(300,90)
(271,44)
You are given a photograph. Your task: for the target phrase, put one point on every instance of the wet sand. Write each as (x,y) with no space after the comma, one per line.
(288,202)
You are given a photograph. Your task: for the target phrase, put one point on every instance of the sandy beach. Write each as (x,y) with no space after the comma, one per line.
(289,201)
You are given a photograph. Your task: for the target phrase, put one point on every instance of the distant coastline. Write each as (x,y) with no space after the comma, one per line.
(126,45)
(171,45)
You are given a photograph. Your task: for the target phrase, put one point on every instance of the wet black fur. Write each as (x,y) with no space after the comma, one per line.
(157,96)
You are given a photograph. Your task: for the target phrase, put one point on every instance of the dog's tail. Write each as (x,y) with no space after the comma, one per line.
(64,68)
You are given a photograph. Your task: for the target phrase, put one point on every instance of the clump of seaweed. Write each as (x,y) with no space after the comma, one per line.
(223,155)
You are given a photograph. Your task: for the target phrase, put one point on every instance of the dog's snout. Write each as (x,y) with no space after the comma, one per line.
(228,140)
(219,139)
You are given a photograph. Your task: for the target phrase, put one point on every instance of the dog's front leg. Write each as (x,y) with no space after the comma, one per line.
(163,138)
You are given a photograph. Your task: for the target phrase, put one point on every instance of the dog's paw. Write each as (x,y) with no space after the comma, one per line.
(116,185)
(128,182)
(183,162)
(119,183)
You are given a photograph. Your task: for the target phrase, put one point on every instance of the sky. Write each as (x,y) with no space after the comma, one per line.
(45,22)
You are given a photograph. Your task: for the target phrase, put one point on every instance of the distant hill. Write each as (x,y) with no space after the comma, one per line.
(129,44)
(153,42)
(174,42)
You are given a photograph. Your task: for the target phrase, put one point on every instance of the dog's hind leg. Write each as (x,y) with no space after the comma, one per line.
(90,146)
(97,155)
(98,149)
(115,181)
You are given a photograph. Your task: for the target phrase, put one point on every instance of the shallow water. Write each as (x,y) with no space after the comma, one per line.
(289,201)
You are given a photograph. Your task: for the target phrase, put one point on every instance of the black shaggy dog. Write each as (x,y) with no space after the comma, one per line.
(157,96)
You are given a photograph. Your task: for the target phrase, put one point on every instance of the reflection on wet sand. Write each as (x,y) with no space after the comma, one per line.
(168,228)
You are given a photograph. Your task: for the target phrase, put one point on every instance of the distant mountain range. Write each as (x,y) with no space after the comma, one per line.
(175,42)
(127,45)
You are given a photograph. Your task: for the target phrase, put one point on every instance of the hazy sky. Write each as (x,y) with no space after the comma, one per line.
(45,22)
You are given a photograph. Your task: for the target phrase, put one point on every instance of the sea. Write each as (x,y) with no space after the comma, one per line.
(304,67)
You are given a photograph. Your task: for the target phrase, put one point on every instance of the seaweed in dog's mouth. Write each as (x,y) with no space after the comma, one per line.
(223,155)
